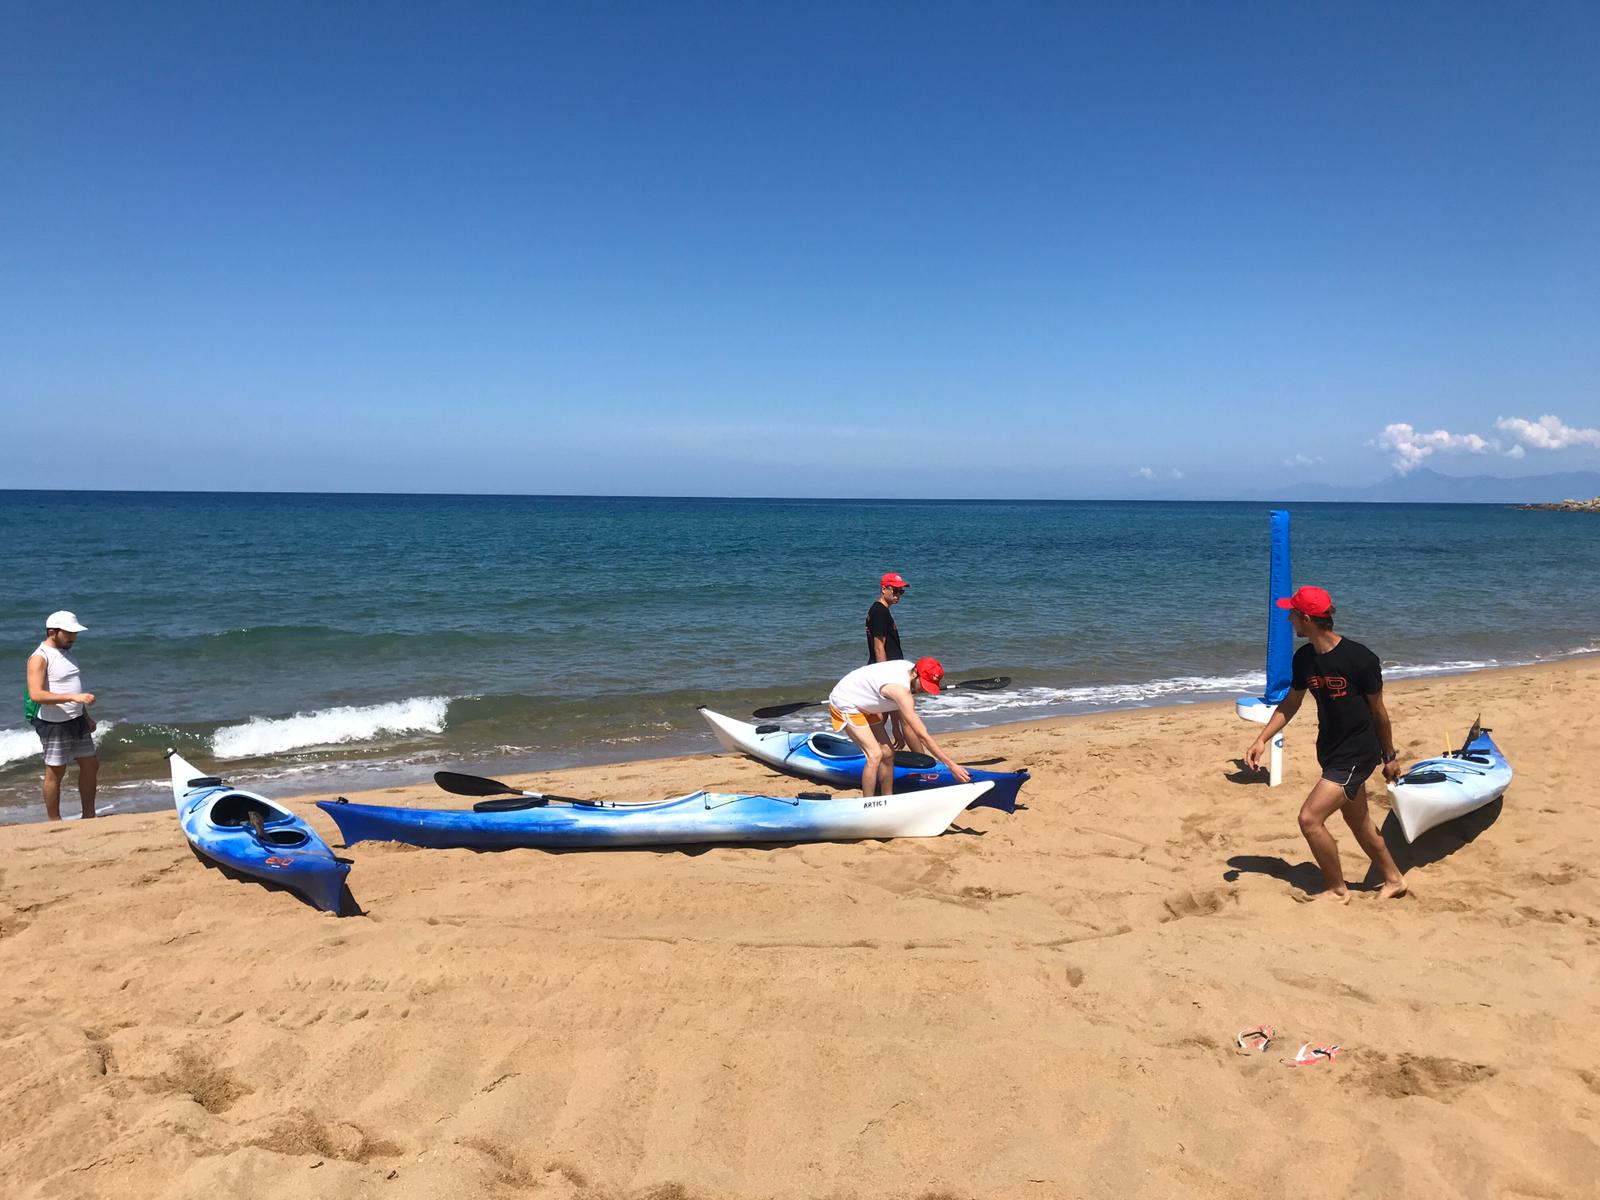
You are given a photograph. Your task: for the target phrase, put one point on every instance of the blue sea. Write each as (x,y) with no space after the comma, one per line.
(321,642)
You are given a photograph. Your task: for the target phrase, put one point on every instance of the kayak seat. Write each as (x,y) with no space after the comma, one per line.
(917,762)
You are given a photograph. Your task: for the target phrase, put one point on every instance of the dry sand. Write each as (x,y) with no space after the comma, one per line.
(1039,1005)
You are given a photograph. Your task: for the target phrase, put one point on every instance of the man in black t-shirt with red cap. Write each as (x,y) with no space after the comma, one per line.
(1353,738)
(883,640)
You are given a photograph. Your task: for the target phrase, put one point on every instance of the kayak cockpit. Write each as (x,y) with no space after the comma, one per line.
(273,826)
(830,745)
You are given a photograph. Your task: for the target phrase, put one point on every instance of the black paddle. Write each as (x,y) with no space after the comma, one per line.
(972,685)
(477,785)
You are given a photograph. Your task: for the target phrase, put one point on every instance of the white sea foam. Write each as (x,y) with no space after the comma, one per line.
(1111,695)
(17,744)
(262,736)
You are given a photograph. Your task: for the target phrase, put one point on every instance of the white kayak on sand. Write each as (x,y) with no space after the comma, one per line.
(1437,790)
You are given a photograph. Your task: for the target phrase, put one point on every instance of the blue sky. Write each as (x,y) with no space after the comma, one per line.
(761,249)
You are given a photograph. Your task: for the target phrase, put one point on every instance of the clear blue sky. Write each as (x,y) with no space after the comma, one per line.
(795,249)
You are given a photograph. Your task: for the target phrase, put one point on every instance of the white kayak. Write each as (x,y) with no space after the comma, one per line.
(1437,790)
(837,761)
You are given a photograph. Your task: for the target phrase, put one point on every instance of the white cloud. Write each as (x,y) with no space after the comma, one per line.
(1177,474)
(1143,473)
(1410,446)
(1547,433)
(1300,460)
(1516,451)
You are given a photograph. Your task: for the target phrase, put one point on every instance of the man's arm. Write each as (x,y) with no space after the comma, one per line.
(1281,716)
(36,683)
(1380,722)
(913,723)
(880,652)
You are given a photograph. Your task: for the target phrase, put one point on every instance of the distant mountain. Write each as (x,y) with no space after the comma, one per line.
(1423,486)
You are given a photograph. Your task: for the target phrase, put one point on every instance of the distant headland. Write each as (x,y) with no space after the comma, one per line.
(1567,506)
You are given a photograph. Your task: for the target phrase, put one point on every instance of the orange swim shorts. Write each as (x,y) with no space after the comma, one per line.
(861,720)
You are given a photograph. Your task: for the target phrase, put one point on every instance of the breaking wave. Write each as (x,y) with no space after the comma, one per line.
(262,736)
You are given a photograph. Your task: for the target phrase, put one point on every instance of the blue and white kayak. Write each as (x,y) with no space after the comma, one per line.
(834,759)
(1437,790)
(698,818)
(252,835)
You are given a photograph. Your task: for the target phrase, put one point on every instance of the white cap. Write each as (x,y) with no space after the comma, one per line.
(64,620)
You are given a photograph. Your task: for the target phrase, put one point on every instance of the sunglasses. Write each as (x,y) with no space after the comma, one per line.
(898,591)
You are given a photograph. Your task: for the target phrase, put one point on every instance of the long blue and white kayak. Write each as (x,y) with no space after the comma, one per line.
(252,835)
(699,818)
(835,760)
(1437,790)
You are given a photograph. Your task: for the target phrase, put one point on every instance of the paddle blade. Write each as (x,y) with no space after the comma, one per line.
(981,685)
(473,785)
(783,710)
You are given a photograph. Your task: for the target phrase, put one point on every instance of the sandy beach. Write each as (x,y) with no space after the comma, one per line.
(1038,1005)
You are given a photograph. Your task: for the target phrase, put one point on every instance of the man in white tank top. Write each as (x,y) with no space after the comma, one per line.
(860,701)
(63,722)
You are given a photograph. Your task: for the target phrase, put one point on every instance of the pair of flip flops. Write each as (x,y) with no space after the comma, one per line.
(1258,1038)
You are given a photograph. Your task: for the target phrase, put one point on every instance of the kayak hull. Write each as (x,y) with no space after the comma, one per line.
(834,759)
(699,818)
(288,852)
(1437,790)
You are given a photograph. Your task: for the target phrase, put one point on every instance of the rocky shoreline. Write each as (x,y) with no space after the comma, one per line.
(1566,506)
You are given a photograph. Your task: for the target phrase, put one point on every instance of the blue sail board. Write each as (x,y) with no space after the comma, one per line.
(1280,637)
(1280,634)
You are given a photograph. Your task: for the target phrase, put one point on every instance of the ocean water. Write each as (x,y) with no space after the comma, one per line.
(311,642)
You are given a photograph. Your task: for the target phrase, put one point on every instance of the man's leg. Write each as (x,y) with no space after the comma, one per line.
(1358,817)
(862,735)
(88,778)
(1325,799)
(52,791)
(885,759)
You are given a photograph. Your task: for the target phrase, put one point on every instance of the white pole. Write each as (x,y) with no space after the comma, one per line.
(1253,708)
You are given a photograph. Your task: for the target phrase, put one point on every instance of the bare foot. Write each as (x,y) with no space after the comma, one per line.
(1393,891)
(1321,897)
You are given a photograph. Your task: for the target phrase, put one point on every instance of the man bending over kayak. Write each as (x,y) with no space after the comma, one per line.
(860,701)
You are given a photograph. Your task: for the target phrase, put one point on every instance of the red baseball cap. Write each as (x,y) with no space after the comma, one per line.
(930,672)
(893,579)
(1312,601)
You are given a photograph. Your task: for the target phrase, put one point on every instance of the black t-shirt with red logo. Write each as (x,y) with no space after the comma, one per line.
(1341,680)
(881,625)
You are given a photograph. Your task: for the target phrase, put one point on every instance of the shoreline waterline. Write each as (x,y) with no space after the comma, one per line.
(322,779)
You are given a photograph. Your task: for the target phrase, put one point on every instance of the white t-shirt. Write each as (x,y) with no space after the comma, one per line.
(60,677)
(862,690)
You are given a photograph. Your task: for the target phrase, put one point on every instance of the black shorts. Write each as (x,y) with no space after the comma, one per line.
(1350,778)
